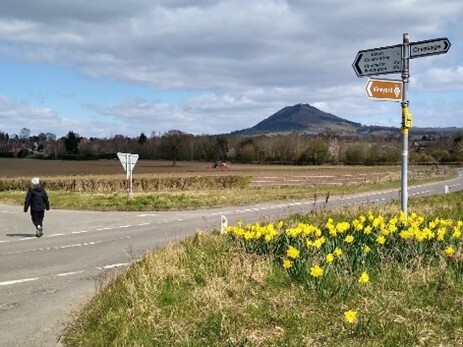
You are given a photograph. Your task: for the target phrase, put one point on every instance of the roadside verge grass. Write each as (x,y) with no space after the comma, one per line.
(213,290)
(197,198)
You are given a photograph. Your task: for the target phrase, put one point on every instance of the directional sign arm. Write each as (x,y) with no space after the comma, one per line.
(429,47)
(388,90)
(378,61)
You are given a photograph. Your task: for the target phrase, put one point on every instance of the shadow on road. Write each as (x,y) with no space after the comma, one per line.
(20,235)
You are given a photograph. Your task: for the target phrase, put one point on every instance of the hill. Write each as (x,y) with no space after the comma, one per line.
(307,119)
(302,118)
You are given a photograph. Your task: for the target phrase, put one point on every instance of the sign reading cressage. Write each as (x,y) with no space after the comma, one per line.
(429,47)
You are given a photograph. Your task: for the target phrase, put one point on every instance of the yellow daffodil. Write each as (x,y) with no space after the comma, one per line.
(366,249)
(342,227)
(449,251)
(316,271)
(329,257)
(292,252)
(367,230)
(351,316)
(338,251)
(364,277)
(378,221)
(381,239)
(319,242)
(456,232)
(287,263)
(349,239)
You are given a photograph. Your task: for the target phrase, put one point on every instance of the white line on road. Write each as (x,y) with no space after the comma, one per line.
(80,232)
(112,266)
(6,283)
(70,273)
(64,274)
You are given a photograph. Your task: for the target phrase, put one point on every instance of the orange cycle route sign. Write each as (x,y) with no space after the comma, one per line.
(384,89)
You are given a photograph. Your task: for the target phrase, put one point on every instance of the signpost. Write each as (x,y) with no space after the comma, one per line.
(429,47)
(378,61)
(390,90)
(128,162)
(396,59)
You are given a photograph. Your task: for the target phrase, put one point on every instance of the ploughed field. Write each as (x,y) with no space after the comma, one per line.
(258,175)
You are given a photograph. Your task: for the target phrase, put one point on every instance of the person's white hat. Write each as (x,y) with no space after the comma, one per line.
(35,181)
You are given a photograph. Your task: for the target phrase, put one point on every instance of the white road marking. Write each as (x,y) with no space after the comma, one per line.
(7,283)
(112,266)
(64,274)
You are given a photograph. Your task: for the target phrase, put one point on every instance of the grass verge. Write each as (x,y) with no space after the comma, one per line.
(184,199)
(208,291)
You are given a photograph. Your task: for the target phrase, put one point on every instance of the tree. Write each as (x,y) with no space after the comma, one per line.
(317,153)
(4,137)
(142,139)
(51,136)
(24,134)
(172,144)
(71,143)
(359,154)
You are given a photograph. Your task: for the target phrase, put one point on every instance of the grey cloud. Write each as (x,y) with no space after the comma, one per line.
(249,57)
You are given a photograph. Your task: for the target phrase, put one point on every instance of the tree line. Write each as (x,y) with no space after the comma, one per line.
(290,148)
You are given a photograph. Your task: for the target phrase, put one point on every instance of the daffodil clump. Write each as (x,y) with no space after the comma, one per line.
(336,251)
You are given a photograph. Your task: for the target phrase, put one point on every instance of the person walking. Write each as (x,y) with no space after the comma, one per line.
(37,200)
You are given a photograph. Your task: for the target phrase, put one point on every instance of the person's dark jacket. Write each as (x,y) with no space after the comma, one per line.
(37,199)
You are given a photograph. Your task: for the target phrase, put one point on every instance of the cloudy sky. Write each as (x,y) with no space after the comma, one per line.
(107,67)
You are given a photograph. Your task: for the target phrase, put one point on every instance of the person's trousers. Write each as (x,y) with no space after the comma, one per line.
(37,217)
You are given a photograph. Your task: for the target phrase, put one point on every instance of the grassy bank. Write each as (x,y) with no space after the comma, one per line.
(172,200)
(239,290)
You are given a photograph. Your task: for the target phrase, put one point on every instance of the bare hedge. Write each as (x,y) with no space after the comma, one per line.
(140,184)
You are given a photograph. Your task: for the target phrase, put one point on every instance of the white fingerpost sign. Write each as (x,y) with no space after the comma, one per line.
(396,59)
(128,161)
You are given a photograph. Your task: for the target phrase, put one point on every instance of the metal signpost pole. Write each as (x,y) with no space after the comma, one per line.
(406,123)
(129,175)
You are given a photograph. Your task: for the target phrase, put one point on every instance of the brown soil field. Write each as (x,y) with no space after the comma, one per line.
(261,175)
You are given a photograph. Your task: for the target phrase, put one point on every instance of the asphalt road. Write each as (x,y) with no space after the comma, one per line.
(43,282)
